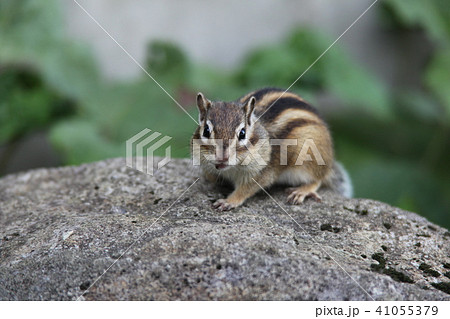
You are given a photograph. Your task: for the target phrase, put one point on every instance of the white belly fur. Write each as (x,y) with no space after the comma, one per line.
(294,177)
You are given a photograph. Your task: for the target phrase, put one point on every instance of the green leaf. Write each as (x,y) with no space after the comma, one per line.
(433,15)
(167,61)
(81,141)
(355,86)
(438,78)
(31,34)
(417,106)
(26,103)
(41,72)
(281,65)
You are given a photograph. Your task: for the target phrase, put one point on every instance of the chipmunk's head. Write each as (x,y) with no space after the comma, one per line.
(227,132)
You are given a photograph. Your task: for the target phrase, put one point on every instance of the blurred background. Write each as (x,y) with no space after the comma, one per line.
(70,95)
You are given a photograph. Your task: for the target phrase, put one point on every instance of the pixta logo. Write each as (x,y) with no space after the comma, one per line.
(144,144)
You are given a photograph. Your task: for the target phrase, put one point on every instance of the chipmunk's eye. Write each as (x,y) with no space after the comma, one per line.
(242,134)
(207,131)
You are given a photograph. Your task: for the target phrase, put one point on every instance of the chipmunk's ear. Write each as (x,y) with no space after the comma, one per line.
(248,109)
(203,105)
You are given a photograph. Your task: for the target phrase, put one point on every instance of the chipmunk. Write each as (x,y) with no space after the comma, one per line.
(266,137)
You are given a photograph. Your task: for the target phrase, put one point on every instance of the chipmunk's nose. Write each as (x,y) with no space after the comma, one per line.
(222,160)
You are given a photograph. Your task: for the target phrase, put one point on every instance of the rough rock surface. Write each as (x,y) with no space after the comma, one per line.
(62,228)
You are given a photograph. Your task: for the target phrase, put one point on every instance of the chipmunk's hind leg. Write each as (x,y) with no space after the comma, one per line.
(299,194)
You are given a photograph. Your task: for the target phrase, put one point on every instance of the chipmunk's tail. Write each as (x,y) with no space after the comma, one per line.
(339,181)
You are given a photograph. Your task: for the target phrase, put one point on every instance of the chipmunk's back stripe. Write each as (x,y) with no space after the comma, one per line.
(259,94)
(284,103)
(291,125)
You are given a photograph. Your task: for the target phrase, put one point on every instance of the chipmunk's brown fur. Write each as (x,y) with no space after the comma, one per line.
(273,120)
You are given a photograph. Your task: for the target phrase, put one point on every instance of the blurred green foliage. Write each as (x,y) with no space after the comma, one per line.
(394,141)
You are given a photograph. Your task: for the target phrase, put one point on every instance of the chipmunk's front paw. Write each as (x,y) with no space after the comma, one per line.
(223,205)
(298,196)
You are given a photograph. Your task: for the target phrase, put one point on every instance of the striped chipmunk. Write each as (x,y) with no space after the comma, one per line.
(266,137)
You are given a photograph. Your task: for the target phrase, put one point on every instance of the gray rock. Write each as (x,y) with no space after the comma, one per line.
(104,231)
